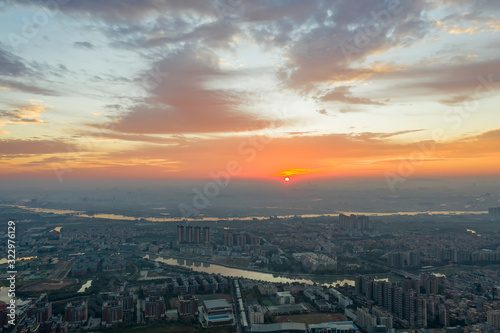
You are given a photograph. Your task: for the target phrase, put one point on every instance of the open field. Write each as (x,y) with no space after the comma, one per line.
(268,302)
(46,285)
(312,318)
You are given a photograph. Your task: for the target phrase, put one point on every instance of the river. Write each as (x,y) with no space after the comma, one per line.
(199,266)
(212,218)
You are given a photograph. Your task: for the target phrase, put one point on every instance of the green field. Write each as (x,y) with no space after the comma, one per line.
(268,302)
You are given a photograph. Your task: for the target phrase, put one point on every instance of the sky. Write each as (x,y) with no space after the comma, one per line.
(193,89)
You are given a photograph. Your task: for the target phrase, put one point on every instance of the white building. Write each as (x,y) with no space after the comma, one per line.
(285,297)
(256,314)
(216,313)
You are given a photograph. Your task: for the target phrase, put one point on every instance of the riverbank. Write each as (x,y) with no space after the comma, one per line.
(239,272)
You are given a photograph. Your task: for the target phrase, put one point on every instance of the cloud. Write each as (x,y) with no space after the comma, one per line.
(176,139)
(337,155)
(457,99)
(13,69)
(472,21)
(212,34)
(12,65)
(84,45)
(478,79)
(26,114)
(182,101)
(124,11)
(342,94)
(331,47)
(33,146)
(27,88)
(349,110)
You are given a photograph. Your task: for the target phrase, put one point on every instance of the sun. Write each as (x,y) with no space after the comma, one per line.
(287,179)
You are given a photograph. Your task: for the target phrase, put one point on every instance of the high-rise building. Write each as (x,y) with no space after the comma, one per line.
(359,284)
(241,240)
(206,234)
(181,233)
(228,239)
(361,222)
(76,313)
(430,283)
(444,315)
(187,306)
(396,259)
(413,259)
(388,296)
(189,232)
(251,239)
(154,308)
(197,234)
(494,212)
(256,314)
(399,302)
(403,259)
(493,318)
(112,313)
(41,310)
(421,312)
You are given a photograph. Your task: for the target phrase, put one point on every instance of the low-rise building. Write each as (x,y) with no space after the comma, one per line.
(216,313)
(285,298)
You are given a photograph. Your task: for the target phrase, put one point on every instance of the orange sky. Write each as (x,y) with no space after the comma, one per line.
(306,89)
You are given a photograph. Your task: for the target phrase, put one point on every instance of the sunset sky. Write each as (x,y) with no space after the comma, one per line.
(256,88)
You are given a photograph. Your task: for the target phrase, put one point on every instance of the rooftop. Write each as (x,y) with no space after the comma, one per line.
(342,325)
(278,326)
(216,303)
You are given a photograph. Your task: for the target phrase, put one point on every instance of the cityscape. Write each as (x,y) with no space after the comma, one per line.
(339,273)
(250,166)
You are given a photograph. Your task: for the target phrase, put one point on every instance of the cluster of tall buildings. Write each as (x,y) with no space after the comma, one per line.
(117,309)
(494,212)
(154,308)
(39,318)
(403,259)
(240,239)
(317,262)
(404,301)
(352,221)
(194,284)
(193,235)
(377,321)
(76,313)
(456,255)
